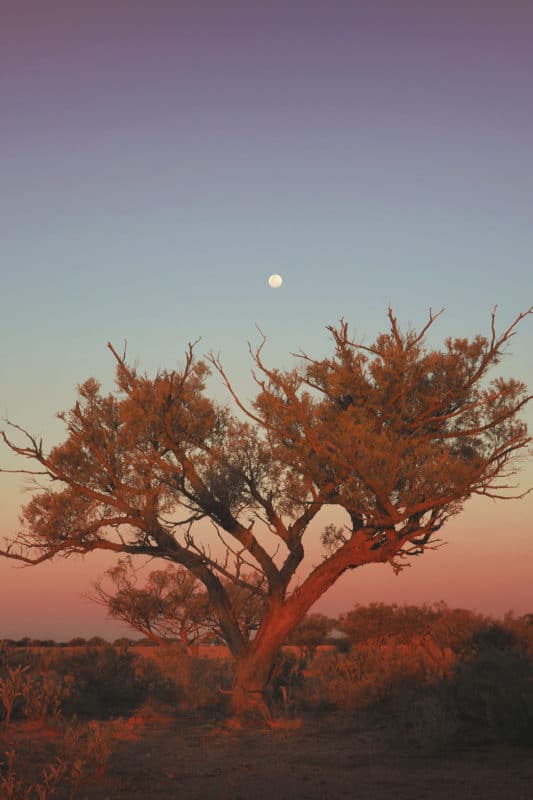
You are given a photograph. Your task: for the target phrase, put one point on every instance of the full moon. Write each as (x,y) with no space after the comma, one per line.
(275,281)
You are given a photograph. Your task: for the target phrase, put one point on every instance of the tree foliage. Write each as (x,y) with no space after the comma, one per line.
(380,620)
(395,434)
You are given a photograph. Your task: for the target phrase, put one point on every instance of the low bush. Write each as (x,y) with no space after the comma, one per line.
(11,691)
(455,629)
(373,671)
(493,696)
(45,694)
(106,682)
(190,683)
(83,752)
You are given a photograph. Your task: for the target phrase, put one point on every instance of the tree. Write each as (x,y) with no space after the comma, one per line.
(77,641)
(311,632)
(170,605)
(395,434)
(173,604)
(380,621)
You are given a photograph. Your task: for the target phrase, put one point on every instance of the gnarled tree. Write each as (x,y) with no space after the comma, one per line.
(396,434)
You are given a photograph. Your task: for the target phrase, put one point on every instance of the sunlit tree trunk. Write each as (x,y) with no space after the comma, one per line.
(254,667)
(249,703)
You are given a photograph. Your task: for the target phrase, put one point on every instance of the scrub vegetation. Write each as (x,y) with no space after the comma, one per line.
(407,682)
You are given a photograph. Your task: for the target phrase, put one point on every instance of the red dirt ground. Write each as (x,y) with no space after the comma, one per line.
(327,758)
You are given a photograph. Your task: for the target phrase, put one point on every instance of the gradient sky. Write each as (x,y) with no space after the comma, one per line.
(159,160)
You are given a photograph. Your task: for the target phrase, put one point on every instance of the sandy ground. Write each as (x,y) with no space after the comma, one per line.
(324,759)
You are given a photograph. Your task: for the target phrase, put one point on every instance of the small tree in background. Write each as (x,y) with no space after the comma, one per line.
(311,632)
(379,620)
(172,604)
(394,434)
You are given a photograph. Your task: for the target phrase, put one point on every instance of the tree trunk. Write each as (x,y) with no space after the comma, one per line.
(249,703)
(255,664)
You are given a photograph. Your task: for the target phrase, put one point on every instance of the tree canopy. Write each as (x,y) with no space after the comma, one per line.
(396,434)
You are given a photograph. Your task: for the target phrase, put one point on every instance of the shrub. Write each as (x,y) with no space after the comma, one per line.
(13,788)
(190,683)
(374,671)
(493,636)
(96,641)
(78,641)
(44,694)
(455,628)
(106,682)
(12,690)
(6,650)
(379,621)
(84,751)
(425,716)
(123,641)
(493,695)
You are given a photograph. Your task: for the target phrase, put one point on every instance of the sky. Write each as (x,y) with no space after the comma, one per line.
(160,160)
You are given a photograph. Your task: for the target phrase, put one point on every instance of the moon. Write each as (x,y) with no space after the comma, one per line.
(275,281)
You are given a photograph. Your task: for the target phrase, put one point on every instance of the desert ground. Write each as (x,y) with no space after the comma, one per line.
(329,756)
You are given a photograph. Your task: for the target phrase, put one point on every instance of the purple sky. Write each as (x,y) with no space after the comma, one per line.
(159,160)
